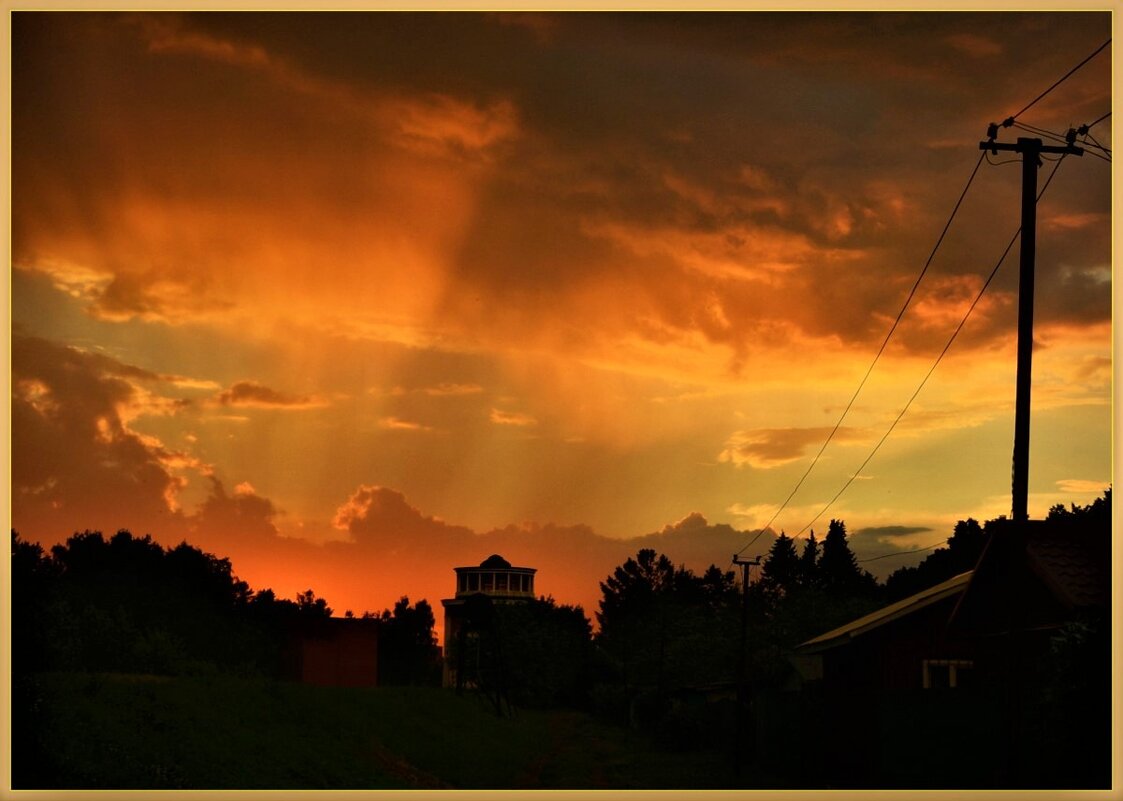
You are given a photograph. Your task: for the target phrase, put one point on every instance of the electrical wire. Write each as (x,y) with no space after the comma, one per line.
(1091,152)
(1025,126)
(1096,143)
(881,350)
(901,553)
(1097,122)
(994,163)
(1061,80)
(935,364)
(1056,137)
(1008,122)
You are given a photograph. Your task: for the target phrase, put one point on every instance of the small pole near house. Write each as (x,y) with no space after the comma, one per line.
(1031,150)
(743,736)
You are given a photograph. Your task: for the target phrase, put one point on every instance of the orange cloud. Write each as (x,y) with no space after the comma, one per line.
(1094,369)
(500,417)
(771,447)
(1075,221)
(394,424)
(1078,485)
(255,395)
(454,389)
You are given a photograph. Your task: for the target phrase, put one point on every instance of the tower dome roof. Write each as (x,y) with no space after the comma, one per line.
(495,560)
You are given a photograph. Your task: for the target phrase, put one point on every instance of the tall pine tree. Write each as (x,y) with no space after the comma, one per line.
(837,566)
(809,562)
(781,567)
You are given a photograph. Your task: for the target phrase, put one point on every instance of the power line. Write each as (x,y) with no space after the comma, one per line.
(1097,122)
(1025,126)
(1069,138)
(1098,155)
(994,163)
(935,364)
(1059,81)
(1056,137)
(991,133)
(901,553)
(881,350)
(1096,143)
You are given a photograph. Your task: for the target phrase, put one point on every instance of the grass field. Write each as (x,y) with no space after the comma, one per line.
(128,731)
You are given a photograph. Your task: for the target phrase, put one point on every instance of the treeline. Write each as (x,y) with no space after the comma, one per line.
(533,653)
(126,604)
(668,650)
(670,639)
(667,635)
(666,656)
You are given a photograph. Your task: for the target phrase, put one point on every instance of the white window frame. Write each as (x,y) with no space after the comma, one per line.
(951,664)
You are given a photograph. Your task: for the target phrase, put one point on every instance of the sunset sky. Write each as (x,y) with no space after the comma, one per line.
(356,298)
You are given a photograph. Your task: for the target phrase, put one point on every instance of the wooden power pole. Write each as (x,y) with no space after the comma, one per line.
(743,704)
(1031,150)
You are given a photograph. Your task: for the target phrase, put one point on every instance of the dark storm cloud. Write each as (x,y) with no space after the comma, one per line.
(878,532)
(627,178)
(390,537)
(770,447)
(75,461)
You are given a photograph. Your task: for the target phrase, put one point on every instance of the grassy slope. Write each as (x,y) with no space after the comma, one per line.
(115,731)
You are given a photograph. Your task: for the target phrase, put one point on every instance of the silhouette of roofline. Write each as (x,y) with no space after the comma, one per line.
(887,614)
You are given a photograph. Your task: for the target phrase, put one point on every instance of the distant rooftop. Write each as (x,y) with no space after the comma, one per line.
(496,577)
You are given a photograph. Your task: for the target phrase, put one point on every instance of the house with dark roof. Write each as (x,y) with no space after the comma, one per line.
(900,646)
(996,677)
(1032,580)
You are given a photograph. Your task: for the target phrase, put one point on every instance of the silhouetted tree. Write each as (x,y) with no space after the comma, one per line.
(633,587)
(719,588)
(965,545)
(34,575)
(1097,512)
(407,645)
(817,590)
(663,628)
(780,570)
(548,650)
(809,562)
(838,568)
(127,604)
(312,607)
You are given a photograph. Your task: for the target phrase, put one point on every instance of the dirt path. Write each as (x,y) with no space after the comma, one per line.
(574,754)
(400,768)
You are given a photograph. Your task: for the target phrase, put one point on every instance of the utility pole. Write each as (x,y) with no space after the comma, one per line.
(1031,150)
(743,704)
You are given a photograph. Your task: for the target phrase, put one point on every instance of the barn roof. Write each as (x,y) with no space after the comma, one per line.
(1075,567)
(887,614)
